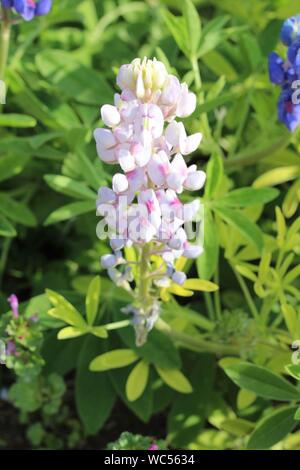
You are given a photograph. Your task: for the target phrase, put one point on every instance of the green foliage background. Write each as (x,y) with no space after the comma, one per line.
(61,69)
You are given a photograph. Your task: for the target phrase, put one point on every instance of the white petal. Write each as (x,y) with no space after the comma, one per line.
(119,183)
(105,137)
(110,115)
(195,180)
(126,160)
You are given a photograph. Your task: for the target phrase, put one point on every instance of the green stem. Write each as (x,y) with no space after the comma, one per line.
(209,305)
(116,325)
(3,259)
(247,295)
(4,41)
(217,299)
(196,344)
(144,281)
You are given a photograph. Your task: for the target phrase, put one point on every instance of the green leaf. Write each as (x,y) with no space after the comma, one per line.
(17,120)
(70,332)
(70,210)
(113,360)
(176,26)
(70,187)
(94,394)
(6,228)
(16,211)
(12,165)
(92,299)
(294,370)
(297,414)
(214,175)
(88,170)
(175,379)
(245,197)
(245,399)
(277,176)
(193,26)
(200,285)
(64,310)
(261,381)
(99,331)
(137,381)
(272,428)
(245,226)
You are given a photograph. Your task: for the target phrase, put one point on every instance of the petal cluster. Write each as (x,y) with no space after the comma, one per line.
(144,137)
(286,74)
(28,9)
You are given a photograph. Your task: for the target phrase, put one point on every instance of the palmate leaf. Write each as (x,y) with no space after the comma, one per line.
(175,379)
(137,381)
(244,225)
(93,299)
(113,360)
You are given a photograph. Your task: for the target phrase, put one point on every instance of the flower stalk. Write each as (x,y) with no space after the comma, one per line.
(4,41)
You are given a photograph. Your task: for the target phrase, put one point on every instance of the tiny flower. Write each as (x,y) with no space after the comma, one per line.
(14,305)
(28,9)
(11,348)
(153,447)
(108,261)
(177,138)
(179,278)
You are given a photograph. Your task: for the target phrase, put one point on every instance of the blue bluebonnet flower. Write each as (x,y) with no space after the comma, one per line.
(288,112)
(290,30)
(286,73)
(28,9)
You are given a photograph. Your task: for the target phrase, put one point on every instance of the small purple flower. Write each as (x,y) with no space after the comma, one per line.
(11,348)
(153,447)
(290,30)
(14,305)
(33,318)
(28,9)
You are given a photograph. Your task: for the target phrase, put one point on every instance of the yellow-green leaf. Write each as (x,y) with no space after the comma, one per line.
(178,290)
(113,360)
(277,176)
(70,332)
(281,226)
(200,284)
(245,398)
(64,310)
(99,331)
(137,381)
(92,299)
(175,379)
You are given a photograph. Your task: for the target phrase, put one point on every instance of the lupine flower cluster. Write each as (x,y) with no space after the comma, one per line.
(28,9)
(143,208)
(286,73)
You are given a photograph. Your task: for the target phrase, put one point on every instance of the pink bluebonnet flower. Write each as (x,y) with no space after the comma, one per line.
(153,447)
(286,73)
(144,137)
(28,9)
